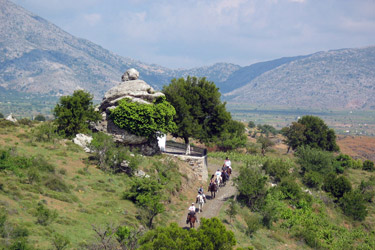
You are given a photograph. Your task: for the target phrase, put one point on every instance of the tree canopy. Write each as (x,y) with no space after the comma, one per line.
(310,131)
(199,111)
(73,113)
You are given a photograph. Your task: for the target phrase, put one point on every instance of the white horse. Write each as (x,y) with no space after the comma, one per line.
(218,181)
(200,201)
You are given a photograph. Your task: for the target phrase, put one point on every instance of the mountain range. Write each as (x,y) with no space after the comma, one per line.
(36,56)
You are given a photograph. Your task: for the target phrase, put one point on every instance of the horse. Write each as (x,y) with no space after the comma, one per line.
(218,181)
(224,177)
(191,219)
(200,201)
(229,172)
(213,189)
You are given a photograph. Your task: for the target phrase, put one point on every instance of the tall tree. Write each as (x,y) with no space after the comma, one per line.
(200,114)
(310,131)
(73,113)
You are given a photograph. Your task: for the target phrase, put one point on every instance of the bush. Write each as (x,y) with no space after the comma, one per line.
(314,160)
(145,119)
(368,166)
(46,132)
(253,224)
(277,168)
(1,115)
(353,205)
(44,215)
(251,185)
(337,186)
(60,242)
(25,121)
(55,183)
(5,123)
(40,118)
(313,179)
(290,189)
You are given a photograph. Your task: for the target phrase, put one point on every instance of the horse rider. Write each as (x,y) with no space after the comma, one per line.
(191,212)
(200,191)
(228,163)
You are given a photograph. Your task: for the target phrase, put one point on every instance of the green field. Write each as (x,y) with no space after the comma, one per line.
(351,122)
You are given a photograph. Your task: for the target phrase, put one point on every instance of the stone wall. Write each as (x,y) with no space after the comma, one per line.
(197,164)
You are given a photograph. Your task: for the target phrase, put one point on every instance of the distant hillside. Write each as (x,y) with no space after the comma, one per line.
(337,79)
(37,56)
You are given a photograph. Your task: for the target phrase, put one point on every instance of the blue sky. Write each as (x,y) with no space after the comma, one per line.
(193,33)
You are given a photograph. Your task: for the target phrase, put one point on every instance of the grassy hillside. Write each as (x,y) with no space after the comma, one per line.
(53,190)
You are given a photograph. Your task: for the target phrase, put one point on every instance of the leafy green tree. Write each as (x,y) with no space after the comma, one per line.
(233,137)
(251,124)
(145,119)
(146,194)
(265,143)
(214,236)
(337,186)
(60,242)
(267,129)
(313,132)
(294,135)
(73,113)
(1,115)
(277,168)
(200,114)
(40,118)
(250,184)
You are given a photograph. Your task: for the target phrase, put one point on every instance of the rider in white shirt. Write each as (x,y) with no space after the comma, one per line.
(192,208)
(227,162)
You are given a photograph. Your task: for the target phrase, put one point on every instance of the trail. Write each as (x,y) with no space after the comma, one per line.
(213,206)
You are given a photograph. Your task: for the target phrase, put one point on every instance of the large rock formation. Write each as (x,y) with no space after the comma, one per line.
(137,91)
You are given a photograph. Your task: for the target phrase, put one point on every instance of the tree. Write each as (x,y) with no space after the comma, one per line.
(312,159)
(294,135)
(250,184)
(233,137)
(232,210)
(40,118)
(311,131)
(200,114)
(1,115)
(265,143)
(353,205)
(73,113)
(251,124)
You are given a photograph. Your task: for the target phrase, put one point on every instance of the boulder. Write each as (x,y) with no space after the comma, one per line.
(136,91)
(130,74)
(83,141)
(11,118)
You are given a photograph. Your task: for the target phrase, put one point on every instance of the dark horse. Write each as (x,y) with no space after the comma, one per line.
(225,177)
(191,219)
(213,189)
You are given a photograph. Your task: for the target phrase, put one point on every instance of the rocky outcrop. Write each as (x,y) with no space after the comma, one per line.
(136,91)
(11,118)
(83,141)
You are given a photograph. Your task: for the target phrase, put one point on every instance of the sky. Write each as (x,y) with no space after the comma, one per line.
(195,33)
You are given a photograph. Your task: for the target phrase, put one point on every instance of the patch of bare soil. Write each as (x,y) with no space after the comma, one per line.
(362,147)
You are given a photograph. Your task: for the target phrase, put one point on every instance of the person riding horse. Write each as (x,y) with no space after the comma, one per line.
(201,192)
(191,213)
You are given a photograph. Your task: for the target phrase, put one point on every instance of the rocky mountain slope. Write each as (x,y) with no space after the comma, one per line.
(337,79)
(37,56)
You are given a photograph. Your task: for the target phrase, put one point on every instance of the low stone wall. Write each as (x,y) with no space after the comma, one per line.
(197,164)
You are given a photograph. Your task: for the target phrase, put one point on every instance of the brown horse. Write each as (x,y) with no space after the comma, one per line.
(191,219)
(213,189)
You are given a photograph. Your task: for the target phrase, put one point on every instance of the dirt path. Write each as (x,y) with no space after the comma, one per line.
(213,206)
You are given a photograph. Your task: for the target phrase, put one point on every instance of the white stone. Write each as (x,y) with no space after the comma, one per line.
(130,74)
(83,141)
(11,118)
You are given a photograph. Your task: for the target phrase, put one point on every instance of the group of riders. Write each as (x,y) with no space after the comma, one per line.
(217,180)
